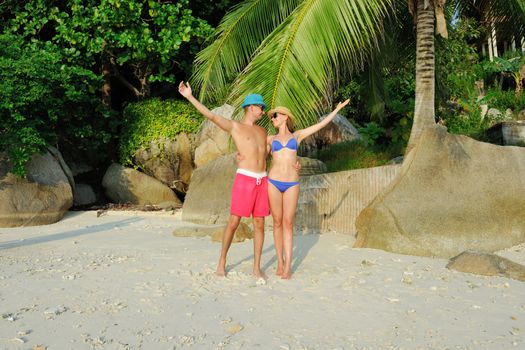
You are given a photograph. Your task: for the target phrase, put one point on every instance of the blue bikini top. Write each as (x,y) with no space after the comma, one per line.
(291,144)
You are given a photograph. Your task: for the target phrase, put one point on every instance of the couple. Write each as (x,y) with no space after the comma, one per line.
(251,194)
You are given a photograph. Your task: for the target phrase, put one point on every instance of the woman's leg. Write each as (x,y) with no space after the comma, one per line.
(276,208)
(290,197)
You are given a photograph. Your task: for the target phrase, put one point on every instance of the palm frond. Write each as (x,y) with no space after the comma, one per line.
(237,37)
(296,63)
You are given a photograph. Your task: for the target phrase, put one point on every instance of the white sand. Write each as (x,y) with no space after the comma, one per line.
(122,281)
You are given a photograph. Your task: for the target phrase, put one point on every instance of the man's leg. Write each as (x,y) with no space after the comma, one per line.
(227,238)
(258,242)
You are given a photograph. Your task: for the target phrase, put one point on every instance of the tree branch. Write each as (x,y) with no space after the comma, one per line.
(123,80)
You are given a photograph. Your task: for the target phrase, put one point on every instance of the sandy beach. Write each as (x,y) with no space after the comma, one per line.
(123,281)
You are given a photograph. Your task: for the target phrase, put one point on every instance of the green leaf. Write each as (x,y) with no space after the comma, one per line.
(237,37)
(296,65)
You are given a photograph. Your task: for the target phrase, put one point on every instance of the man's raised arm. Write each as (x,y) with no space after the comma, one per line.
(221,122)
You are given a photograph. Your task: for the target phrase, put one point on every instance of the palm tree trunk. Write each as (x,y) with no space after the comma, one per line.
(424,112)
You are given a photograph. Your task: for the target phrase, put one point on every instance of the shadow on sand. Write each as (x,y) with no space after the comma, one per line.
(69,234)
(302,244)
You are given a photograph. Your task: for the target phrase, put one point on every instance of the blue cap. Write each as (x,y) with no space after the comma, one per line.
(254,99)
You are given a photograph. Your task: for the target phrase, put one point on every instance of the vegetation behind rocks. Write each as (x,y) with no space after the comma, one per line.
(152,120)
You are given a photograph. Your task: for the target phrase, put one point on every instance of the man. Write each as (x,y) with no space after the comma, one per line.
(250,188)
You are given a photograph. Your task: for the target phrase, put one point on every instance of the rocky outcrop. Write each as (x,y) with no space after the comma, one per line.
(327,202)
(169,161)
(43,198)
(125,185)
(208,199)
(311,166)
(172,161)
(513,133)
(339,130)
(487,265)
(84,195)
(510,133)
(211,141)
(453,194)
(215,232)
(331,202)
(244,231)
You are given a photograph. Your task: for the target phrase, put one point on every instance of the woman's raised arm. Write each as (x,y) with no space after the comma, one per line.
(304,133)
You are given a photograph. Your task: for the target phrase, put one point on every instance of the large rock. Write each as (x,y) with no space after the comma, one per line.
(242,233)
(510,133)
(125,185)
(169,161)
(487,265)
(84,195)
(211,141)
(209,195)
(43,198)
(453,194)
(513,133)
(311,166)
(331,202)
(338,130)
(215,232)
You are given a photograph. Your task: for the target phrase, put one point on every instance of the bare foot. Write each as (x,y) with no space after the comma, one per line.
(260,274)
(279,271)
(286,275)
(221,270)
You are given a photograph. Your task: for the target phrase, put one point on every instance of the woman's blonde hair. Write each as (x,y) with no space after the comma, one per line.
(283,110)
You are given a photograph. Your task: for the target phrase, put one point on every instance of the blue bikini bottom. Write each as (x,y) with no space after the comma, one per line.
(283,185)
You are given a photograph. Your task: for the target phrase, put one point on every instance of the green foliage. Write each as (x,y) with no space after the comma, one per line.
(400,133)
(398,89)
(400,86)
(371,132)
(352,155)
(465,118)
(45,100)
(502,100)
(470,124)
(354,91)
(511,62)
(55,57)
(297,63)
(456,60)
(152,120)
(494,72)
(237,37)
(140,40)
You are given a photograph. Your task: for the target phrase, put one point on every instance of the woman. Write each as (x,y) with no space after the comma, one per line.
(283,187)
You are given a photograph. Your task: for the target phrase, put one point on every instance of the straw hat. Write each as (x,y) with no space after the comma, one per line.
(282,110)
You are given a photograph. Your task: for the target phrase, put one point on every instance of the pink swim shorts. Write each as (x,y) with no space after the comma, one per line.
(250,194)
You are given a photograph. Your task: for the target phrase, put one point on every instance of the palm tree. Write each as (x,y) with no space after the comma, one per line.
(290,51)
(509,12)
(294,52)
